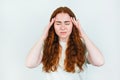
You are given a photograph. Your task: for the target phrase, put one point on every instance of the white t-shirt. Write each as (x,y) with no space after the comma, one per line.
(60,74)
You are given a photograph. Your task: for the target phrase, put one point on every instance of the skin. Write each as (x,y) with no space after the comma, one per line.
(63,27)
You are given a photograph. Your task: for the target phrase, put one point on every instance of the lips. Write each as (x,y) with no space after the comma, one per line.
(63,33)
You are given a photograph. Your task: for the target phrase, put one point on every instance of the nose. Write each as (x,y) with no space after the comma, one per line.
(62,27)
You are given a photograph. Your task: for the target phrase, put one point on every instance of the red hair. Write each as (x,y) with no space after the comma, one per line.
(75,51)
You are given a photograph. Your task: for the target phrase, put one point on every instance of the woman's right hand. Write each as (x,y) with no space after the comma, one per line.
(45,34)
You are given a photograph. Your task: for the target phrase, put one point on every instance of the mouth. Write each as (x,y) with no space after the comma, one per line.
(63,33)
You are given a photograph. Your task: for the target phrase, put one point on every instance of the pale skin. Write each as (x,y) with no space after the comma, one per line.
(63,27)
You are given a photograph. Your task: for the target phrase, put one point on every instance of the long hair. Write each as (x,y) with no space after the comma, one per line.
(75,51)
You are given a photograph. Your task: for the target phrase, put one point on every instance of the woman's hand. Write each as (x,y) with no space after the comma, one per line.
(45,34)
(78,25)
(34,57)
(94,56)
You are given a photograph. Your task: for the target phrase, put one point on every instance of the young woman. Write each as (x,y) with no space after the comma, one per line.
(64,49)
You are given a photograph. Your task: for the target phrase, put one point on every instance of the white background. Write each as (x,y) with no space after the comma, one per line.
(22,23)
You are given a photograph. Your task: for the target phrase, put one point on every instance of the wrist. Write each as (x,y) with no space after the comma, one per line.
(84,36)
(43,38)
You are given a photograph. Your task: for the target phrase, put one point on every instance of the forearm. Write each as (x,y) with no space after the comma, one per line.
(95,57)
(34,57)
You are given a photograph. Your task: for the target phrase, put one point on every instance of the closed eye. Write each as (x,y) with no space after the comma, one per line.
(67,22)
(58,23)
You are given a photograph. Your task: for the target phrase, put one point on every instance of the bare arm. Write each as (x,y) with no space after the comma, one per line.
(34,57)
(94,57)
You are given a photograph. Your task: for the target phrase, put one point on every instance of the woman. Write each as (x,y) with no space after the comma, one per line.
(64,48)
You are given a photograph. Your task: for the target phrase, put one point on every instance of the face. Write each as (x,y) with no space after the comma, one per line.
(63,26)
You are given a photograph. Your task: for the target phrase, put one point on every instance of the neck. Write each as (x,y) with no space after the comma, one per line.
(63,39)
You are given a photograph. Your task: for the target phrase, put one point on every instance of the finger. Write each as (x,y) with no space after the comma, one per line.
(73,21)
(77,21)
(49,24)
(52,21)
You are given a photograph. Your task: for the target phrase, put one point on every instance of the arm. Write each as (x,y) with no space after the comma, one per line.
(34,57)
(94,57)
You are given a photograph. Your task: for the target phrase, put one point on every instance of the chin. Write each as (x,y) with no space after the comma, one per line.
(63,37)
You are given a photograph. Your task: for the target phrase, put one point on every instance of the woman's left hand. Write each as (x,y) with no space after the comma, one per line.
(78,26)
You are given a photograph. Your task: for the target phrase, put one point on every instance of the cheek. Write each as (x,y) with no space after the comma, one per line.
(56,29)
(55,26)
(70,29)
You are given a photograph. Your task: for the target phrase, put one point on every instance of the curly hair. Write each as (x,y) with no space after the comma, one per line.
(75,51)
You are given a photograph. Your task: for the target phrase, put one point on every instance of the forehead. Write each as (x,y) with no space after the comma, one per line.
(62,16)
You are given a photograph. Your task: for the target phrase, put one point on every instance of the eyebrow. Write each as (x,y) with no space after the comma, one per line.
(66,21)
(60,21)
